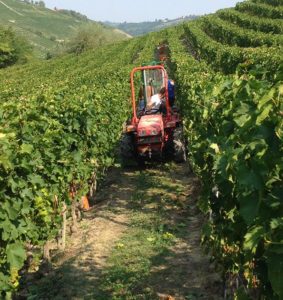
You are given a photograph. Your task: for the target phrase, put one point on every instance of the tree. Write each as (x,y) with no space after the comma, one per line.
(13,48)
(87,37)
(41,4)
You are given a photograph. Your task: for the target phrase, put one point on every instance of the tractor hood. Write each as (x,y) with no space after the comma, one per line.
(150,125)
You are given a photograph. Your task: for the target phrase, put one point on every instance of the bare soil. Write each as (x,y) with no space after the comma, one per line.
(186,274)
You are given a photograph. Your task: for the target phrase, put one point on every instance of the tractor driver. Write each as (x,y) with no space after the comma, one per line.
(156,100)
(171,92)
(141,101)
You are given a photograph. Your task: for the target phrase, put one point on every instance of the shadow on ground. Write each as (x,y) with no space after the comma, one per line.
(141,241)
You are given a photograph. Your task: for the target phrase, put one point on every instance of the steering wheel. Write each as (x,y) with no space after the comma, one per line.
(152,111)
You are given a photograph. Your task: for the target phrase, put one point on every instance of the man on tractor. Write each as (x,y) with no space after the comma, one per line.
(155,129)
(156,100)
(171,92)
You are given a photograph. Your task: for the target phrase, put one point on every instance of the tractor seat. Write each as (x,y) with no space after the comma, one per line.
(152,111)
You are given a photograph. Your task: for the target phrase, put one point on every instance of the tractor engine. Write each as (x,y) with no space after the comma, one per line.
(150,136)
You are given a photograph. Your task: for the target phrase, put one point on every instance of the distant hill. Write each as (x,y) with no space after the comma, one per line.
(135,29)
(48,29)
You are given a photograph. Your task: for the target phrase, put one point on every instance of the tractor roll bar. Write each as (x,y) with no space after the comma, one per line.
(135,119)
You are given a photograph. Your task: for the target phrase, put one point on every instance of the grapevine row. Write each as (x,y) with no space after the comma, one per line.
(227,58)
(58,127)
(229,33)
(260,10)
(251,22)
(269,2)
(235,140)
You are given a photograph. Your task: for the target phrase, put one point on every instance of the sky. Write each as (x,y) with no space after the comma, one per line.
(140,10)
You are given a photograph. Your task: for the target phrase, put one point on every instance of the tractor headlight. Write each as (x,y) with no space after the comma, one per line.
(153,132)
(142,133)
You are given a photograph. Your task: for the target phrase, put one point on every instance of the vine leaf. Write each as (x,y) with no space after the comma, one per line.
(215,147)
(248,207)
(26,148)
(266,98)
(264,114)
(16,255)
(275,273)
(253,237)
(248,177)
(242,120)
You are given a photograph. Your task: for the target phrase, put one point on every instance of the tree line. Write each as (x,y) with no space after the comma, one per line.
(13,48)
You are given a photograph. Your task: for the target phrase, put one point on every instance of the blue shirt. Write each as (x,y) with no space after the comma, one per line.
(171,89)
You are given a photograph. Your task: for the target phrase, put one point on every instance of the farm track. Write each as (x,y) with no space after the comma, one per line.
(151,212)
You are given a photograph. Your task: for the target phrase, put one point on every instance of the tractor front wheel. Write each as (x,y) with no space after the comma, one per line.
(127,150)
(176,146)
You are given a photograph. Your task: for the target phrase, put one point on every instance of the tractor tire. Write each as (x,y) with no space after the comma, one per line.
(176,147)
(180,154)
(127,150)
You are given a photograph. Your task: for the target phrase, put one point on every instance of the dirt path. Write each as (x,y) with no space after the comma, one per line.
(140,242)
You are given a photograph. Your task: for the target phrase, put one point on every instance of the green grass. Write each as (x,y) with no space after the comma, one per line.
(44,28)
(135,266)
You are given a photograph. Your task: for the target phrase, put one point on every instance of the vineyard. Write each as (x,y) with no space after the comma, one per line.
(61,122)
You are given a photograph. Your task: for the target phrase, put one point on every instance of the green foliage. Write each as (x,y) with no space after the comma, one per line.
(269,2)
(58,126)
(91,36)
(234,128)
(231,34)
(13,48)
(226,58)
(251,22)
(63,122)
(73,13)
(47,30)
(260,10)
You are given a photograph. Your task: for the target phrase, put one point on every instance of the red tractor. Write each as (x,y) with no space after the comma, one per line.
(153,131)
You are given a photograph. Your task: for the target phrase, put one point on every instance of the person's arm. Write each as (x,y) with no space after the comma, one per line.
(150,106)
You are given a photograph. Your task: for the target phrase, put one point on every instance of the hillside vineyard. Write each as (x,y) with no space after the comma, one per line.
(61,121)
(49,31)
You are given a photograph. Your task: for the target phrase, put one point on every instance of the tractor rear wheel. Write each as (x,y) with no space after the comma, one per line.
(127,150)
(179,144)
(176,146)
